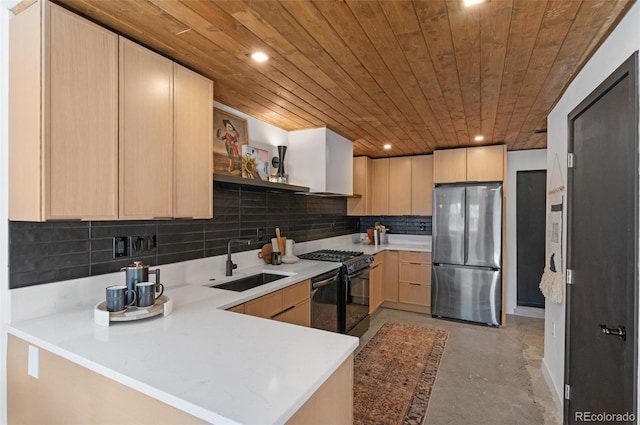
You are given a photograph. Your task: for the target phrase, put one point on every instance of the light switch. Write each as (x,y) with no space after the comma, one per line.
(33,364)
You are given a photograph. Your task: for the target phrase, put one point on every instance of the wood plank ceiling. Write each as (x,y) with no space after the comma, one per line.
(420,75)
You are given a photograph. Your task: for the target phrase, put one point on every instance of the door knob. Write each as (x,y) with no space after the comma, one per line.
(619,331)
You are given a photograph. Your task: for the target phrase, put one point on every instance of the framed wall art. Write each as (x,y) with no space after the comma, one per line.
(230,133)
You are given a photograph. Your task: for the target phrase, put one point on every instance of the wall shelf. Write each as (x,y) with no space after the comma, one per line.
(224,178)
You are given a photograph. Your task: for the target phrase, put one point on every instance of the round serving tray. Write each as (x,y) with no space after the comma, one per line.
(163,305)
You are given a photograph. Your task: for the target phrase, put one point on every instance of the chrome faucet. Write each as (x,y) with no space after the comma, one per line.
(230,265)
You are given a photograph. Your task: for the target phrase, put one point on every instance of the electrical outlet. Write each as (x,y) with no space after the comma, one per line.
(121,246)
(143,244)
(259,233)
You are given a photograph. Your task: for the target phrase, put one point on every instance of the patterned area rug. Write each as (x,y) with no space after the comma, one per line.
(394,374)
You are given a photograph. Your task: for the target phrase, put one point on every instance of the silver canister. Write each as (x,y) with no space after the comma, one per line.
(136,273)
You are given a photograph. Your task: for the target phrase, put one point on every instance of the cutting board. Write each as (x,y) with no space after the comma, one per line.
(265,253)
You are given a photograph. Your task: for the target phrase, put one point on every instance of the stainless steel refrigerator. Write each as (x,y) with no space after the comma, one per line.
(466,280)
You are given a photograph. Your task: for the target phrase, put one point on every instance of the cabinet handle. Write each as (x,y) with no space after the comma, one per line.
(374,266)
(283,311)
(415,284)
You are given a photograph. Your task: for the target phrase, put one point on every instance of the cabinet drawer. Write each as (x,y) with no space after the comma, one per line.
(294,294)
(415,273)
(415,294)
(415,257)
(300,314)
(265,306)
(237,309)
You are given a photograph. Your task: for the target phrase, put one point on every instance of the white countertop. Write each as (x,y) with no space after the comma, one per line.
(220,366)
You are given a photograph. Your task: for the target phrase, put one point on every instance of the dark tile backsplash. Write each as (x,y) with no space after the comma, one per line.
(405,225)
(60,250)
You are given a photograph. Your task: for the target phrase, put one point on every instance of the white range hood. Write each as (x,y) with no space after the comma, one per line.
(321,160)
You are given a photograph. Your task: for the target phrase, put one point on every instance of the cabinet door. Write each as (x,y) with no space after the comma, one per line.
(380,187)
(81,118)
(421,185)
(362,175)
(300,314)
(400,186)
(450,166)
(146,133)
(486,163)
(375,286)
(390,281)
(193,144)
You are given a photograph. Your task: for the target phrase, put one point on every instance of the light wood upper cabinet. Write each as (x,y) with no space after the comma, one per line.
(380,187)
(486,163)
(450,165)
(362,176)
(74,83)
(400,186)
(481,163)
(146,133)
(421,185)
(193,144)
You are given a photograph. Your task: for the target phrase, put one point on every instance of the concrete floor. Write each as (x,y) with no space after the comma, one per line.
(487,375)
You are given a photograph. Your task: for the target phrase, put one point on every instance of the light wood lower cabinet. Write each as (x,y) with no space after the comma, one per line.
(415,278)
(66,393)
(407,283)
(390,282)
(376,276)
(290,305)
(237,309)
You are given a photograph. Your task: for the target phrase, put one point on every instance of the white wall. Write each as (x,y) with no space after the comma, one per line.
(517,161)
(261,134)
(621,44)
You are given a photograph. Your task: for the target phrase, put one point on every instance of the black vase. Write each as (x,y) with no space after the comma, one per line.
(282,150)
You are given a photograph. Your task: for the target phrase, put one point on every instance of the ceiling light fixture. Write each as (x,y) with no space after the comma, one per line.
(478,138)
(469,3)
(259,56)
(387,146)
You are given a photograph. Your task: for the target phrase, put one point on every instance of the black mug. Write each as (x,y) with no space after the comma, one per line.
(117,298)
(276,258)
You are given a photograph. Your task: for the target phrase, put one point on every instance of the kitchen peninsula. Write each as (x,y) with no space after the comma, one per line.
(201,363)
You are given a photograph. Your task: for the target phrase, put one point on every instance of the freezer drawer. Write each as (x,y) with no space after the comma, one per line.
(467,293)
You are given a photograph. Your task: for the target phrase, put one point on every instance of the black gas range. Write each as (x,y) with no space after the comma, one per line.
(351,291)
(352,260)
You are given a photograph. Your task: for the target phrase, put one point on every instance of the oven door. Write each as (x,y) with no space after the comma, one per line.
(357,303)
(324,301)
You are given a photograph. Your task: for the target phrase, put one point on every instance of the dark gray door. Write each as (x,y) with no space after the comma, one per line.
(601,367)
(531,197)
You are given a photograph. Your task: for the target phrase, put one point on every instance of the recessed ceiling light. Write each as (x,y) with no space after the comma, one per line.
(478,138)
(259,56)
(468,3)
(387,146)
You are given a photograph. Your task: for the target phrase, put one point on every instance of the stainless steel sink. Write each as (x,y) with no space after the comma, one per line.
(245,283)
